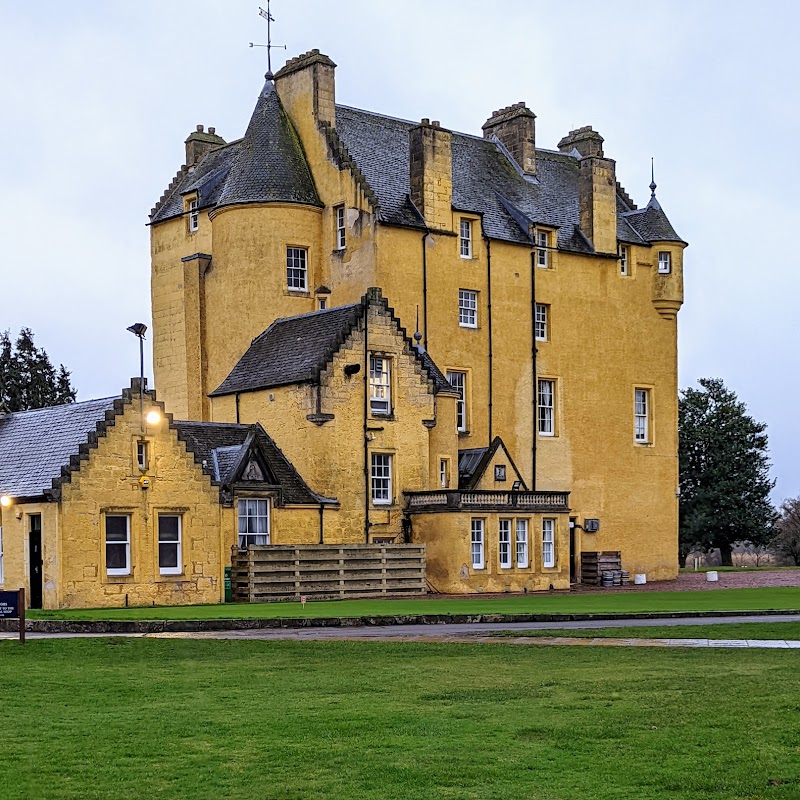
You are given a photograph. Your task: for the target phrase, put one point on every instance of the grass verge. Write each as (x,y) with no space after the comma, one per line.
(745,630)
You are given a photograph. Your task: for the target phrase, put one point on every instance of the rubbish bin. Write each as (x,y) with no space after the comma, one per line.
(228,585)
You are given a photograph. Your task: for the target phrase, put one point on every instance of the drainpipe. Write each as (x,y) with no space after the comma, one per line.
(425,290)
(321,524)
(366,418)
(237,407)
(489,315)
(534,386)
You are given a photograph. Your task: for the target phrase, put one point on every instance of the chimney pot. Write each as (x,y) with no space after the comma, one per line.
(426,121)
(212,130)
(436,123)
(199,128)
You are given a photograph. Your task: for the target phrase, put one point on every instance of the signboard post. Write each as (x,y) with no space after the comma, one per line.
(12,606)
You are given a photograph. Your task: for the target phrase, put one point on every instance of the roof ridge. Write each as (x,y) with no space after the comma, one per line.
(60,405)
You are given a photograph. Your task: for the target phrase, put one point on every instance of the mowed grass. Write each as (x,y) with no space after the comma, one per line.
(779,598)
(172,718)
(744,630)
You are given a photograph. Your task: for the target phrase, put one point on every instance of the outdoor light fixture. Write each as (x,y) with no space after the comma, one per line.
(138,329)
(153,417)
(5,501)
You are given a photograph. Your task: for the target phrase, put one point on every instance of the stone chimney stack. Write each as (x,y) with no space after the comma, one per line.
(515,127)
(311,76)
(199,143)
(597,188)
(431,178)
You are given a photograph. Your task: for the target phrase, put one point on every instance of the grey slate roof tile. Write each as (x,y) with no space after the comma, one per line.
(651,223)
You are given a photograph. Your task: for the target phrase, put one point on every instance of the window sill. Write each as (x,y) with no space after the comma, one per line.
(381,417)
(468,327)
(298,292)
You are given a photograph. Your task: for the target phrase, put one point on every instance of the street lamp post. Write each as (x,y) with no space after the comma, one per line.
(138,329)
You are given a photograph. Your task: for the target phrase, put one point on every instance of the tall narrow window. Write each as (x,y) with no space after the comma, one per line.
(141,455)
(467,308)
(541,322)
(194,216)
(504,544)
(476,546)
(322,303)
(297,269)
(253,522)
(548,543)
(458,380)
(664,263)
(118,544)
(547,407)
(623,259)
(641,415)
(380,390)
(522,543)
(542,254)
(466,238)
(169,544)
(444,473)
(381,479)
(341,233)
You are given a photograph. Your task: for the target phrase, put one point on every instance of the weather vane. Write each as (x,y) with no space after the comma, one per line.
(270,19)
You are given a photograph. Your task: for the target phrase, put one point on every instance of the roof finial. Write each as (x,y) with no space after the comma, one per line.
(270,19)
(418,335)
(652,179)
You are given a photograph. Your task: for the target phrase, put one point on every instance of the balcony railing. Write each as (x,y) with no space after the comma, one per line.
(453,500)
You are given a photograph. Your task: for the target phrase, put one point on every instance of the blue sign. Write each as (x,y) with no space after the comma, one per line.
(9,605)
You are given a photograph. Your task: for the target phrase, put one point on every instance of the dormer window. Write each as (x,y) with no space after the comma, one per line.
(664,262)
(341,232)
(542,245)
(466,238)
(194,216)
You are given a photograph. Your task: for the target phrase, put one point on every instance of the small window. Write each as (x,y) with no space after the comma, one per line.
(118,544)
(476,547)
(194,216)
(499,472)
(458,380)
(467,308)
(253,522)
(664,263)
(504,544)
(542,249)
(641,415)
(169,544)
(623,259)
(341,232)
(381,479)
(297,269)
(548,543)
(141,455)
(522,543)
(444,473)
(322,303)
(380,390)
(547,407)
(466,238)
(541,322)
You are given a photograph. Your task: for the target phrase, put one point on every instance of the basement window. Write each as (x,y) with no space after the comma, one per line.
(466,238)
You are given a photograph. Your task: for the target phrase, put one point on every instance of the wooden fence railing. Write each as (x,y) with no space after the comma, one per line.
(289,572)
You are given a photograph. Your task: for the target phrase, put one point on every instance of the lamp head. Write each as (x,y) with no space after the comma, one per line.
(138,329)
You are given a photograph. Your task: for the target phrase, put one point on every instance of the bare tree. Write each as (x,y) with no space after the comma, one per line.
(786,543)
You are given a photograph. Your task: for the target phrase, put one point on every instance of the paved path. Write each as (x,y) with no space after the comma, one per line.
(479,632)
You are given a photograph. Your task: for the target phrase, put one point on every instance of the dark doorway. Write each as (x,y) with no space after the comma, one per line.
(573,573)
(35,556)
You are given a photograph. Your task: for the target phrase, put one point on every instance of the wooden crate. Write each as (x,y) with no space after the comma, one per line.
(594,564)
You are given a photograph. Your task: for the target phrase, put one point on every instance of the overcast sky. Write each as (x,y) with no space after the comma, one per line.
(96,99)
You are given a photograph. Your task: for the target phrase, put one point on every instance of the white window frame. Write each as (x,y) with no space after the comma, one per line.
(297,269)
(178,568)
(381,479)
(542,251)
(521,542)
(444,473)
(548,543)
(341,227)
(465,238)
(664,262)
(546,411)
(262,506)
(641,415)
(477,543)
(623,259)
(380,386)
(142,454)
(467,308)
(194,216)
(126,570)
(504,543)
(458,380)
(540,322)
(322,303)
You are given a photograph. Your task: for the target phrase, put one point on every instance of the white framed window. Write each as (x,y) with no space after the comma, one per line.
(380,389)
(476,544)
(322,303)
(254,521)
(522,543)
(504,544)
(467,308)
(444,473)
(664,262)
(118,544)
(466,238)
(297,269)
(548,543)
(141,455)
(641,415)
(169,544)
(458,380)
(381,479)
(341,231)
(542,252)
(194,216)
(540,323)
(547,407)
(623,259)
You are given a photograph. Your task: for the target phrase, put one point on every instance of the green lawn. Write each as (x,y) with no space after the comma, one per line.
(781,598)
(745,630)
(171,718)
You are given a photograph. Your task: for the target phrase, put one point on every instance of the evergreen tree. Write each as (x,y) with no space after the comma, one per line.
(724,472)
(27,376)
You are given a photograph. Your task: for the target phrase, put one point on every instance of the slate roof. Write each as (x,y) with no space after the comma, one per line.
(473,462)
(297,349)
(651,223)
